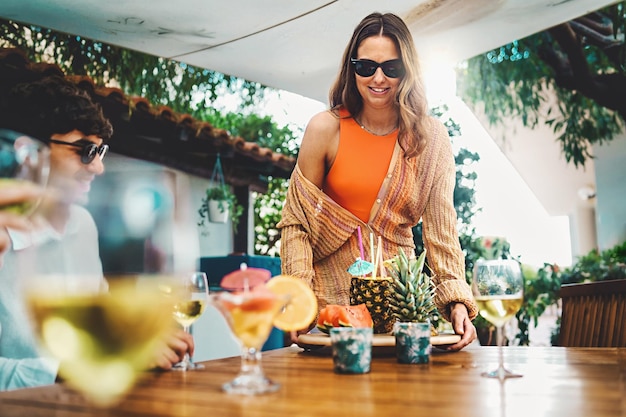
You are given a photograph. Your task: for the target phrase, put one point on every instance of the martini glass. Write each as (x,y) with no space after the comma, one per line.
(250,315)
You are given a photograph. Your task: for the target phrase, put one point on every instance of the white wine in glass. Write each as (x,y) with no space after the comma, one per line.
(104,341)
(22,158)
(498,288)
(191,303)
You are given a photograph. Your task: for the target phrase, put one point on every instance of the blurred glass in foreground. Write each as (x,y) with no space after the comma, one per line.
(22,158)
(103,340)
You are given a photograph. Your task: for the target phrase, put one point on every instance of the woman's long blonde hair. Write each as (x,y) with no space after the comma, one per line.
(411,97)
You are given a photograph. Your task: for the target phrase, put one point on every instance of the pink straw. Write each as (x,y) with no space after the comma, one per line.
(361,243)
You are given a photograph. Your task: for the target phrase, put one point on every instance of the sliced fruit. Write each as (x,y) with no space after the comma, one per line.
(302,306)
(344,316)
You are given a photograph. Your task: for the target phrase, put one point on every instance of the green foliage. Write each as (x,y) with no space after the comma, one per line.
(267,213)
(518,80)
(164,82)
(598,266)
(540,292)
(254,128)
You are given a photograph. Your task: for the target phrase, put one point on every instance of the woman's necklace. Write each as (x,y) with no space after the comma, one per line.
(372,132)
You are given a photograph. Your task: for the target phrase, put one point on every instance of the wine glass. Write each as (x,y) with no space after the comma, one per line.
(103,340)
(22,158)
(250,315)
(498,288)
(191,302)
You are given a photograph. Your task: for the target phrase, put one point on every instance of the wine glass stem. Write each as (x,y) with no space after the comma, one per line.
(500,341)
(251,362)
(187,359)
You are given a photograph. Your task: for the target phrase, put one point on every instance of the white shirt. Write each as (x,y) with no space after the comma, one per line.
(74,255)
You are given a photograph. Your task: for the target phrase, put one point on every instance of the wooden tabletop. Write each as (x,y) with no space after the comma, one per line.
(557,381)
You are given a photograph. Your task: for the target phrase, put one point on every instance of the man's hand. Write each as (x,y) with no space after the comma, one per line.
(173,350)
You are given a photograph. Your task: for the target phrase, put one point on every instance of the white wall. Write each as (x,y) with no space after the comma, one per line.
(610,167)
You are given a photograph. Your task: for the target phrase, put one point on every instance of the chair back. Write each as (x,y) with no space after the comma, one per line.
(593,314)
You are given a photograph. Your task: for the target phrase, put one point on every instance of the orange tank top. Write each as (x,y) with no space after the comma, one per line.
(360,166)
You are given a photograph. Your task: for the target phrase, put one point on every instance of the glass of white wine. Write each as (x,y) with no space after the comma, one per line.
(22,158)
(103,340)
(190,303)
(498,288)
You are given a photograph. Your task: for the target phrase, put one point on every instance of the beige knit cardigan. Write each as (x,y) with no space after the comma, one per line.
(319,238)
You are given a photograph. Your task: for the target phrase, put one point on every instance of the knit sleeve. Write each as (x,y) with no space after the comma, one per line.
(296,253)
(440,233)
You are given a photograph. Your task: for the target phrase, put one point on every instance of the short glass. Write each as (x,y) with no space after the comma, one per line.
(352,349)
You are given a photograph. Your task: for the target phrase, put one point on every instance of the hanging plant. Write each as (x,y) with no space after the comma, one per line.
(219,203)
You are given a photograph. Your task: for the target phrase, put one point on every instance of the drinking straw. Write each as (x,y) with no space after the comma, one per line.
(378,256)
(246,284)
(381,265)
(372,252)
(361,243)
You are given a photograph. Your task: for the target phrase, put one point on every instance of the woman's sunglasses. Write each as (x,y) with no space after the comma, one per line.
(366,67)
(88,151)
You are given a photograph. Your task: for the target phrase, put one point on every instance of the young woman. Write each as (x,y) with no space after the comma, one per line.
(376,160)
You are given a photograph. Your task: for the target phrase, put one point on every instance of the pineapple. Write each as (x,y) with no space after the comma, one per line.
(374,293)
(411,291)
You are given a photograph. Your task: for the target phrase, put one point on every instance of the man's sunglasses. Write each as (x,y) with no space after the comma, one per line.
(366,67)
(88,151)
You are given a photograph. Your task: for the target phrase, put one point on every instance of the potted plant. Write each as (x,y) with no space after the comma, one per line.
(411,300)
(219,203)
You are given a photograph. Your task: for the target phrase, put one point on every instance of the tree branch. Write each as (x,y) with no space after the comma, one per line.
(607,90)
(597,29)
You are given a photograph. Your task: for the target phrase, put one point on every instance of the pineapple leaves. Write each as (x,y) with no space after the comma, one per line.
(412,291)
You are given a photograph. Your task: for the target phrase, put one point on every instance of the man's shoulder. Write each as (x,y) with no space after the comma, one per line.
(81,214)
(80,222)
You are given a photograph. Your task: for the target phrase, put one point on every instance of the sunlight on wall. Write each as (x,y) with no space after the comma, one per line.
(509,207)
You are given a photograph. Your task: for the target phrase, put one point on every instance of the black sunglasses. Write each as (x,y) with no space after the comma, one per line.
(88,151)
(366,67)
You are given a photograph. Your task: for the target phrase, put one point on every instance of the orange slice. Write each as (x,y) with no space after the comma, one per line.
(302,307)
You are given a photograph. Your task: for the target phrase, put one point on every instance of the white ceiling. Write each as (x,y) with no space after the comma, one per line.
(289,44)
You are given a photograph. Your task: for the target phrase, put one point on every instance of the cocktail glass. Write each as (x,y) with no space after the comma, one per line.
(250,316)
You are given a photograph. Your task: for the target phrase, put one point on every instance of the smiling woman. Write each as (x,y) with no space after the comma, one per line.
(375,161)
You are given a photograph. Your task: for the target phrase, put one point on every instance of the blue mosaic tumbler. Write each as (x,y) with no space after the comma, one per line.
(352,349)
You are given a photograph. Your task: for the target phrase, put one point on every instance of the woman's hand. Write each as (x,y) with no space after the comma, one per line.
(462,326)
(173,350)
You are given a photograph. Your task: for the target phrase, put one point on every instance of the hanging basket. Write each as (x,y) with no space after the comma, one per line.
(218,211)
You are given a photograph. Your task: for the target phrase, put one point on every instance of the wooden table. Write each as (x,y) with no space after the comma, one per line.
(557,381)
